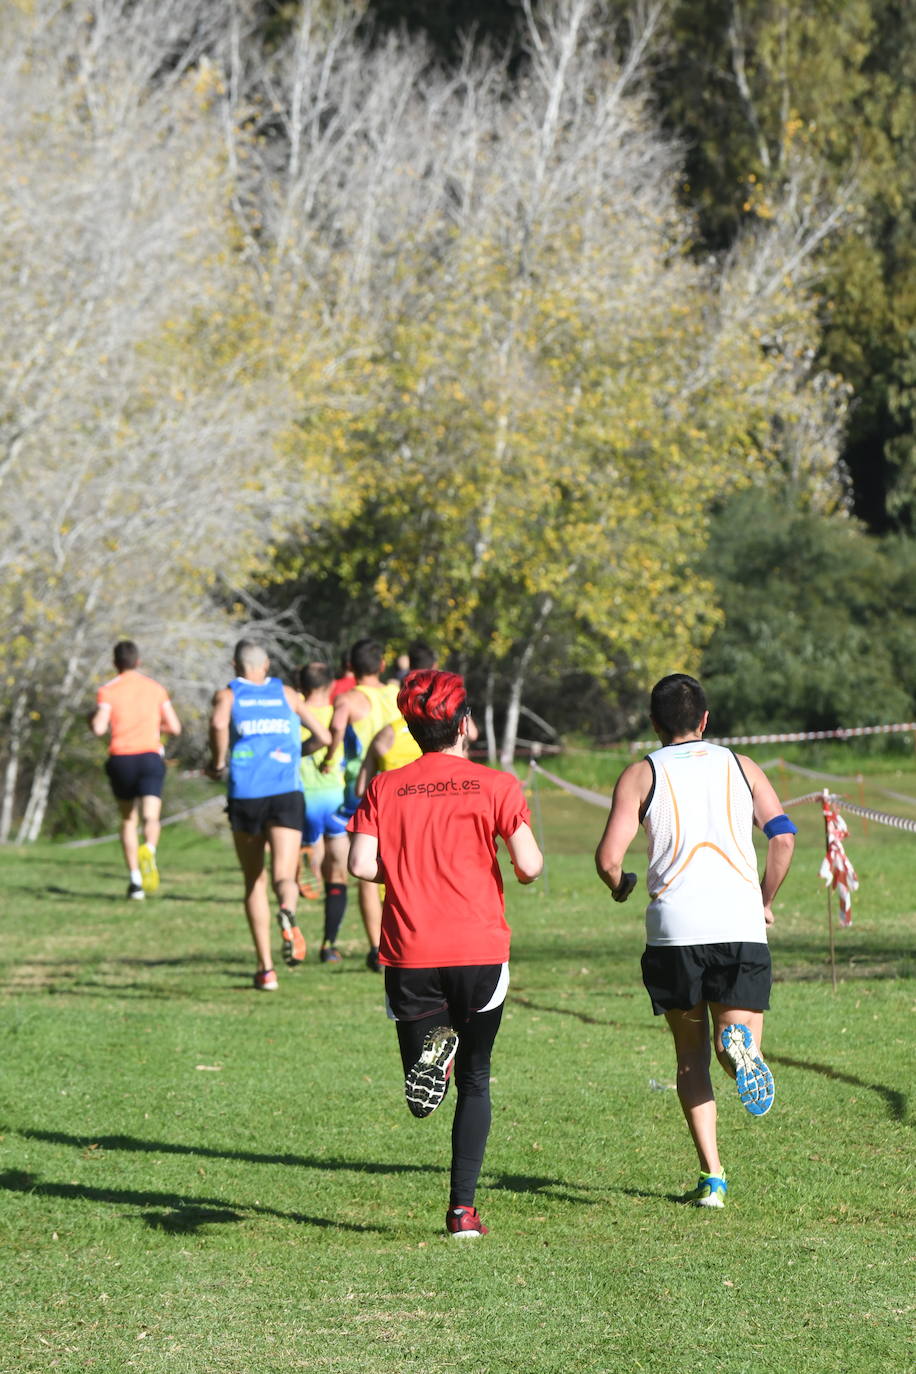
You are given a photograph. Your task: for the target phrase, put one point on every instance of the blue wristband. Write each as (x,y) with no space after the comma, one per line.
(780,825)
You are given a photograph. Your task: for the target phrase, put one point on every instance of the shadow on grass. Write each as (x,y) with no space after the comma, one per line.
(800,959)
(851,972)
(188,1220)
(221,899)
(159,1147)
(513,1183)
(896,1101)
(183,1215)
(553,1189)
(111,898)
(217,960)
(517,999)
(98,976)
(113,981)
(679,1198)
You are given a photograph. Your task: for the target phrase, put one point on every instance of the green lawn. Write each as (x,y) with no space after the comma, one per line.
(197,1177)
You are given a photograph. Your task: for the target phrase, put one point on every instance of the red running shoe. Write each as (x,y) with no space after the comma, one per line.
(265,980)
(463,1223)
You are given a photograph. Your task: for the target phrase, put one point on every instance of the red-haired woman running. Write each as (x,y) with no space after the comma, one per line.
(429,832)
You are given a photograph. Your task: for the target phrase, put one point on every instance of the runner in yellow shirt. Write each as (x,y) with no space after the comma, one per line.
(324,794)
(358,716)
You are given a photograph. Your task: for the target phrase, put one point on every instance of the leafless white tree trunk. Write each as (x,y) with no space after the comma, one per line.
(519,673)
(137,436)
(16,731)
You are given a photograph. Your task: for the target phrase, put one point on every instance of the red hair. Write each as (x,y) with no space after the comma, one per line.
(433,702)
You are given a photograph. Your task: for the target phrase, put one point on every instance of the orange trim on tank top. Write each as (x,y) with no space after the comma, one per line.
(704,844)
(677,815)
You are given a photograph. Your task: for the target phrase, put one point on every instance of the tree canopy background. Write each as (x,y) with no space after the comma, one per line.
(576,338)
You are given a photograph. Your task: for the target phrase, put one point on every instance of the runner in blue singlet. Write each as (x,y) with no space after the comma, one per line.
(255,737)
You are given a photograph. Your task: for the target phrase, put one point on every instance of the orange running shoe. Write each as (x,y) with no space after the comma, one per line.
(292,937)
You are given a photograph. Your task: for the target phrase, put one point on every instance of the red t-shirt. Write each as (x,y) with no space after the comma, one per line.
(136,703)
(437,822)
(342,684)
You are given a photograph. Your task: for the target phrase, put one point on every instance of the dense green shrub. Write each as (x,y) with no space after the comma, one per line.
(820,621)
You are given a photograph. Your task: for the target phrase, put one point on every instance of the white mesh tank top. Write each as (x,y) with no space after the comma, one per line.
(702,879)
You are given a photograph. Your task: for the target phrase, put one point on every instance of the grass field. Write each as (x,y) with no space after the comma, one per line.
(197,1177)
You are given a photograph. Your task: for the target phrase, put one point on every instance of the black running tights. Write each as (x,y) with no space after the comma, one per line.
(471,1125)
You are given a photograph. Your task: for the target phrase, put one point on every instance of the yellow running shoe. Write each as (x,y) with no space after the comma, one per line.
(149,873)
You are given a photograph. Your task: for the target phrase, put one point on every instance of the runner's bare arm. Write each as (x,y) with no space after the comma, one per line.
(99,719)
(364,861)
(525,853)
(630,792)
(339,722)
(369,767)
(169,721)
(320,734)
(220,717)
(780,848)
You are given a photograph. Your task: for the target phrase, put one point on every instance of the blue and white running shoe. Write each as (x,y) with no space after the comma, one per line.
(753,1078)
(709,1192)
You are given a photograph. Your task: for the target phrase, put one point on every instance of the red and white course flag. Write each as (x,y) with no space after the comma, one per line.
(836,870)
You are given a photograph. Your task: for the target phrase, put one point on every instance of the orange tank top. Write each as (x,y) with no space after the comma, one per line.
(136,703)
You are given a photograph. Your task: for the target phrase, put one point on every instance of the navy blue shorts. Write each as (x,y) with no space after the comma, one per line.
(678,977)
(135,775)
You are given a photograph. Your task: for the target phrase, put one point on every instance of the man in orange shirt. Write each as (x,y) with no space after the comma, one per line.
(136,710)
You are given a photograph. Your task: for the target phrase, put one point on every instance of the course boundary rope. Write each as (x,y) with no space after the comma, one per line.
(858,780)
(798,736)
(597,799)
(168,820)
(881,817)
(583,793)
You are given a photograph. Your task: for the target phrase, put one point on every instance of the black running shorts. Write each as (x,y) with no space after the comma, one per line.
(256,815)
(135,775)
(414,993)
(678,977)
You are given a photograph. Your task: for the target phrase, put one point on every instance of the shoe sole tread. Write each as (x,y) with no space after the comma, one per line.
(752,1076)
(427,1082)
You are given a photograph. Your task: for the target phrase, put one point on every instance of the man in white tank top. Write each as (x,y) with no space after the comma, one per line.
(706,958)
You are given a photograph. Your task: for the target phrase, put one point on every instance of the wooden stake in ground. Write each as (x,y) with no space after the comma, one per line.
(831,944)
(827,872)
